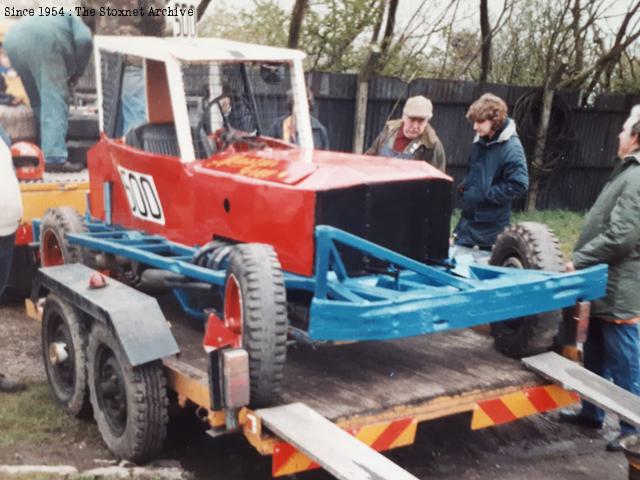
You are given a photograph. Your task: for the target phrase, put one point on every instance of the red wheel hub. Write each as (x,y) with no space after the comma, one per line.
(52,250)
(233,309)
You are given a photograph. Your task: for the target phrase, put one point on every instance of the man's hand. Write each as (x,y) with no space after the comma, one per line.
(569,267)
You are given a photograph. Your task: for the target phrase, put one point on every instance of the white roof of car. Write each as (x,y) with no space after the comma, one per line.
(194,49)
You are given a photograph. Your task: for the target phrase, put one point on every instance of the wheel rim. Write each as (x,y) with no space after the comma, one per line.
(60,356)
(513,262)
(110,390)
(233,318)
(52,250)
(514,324)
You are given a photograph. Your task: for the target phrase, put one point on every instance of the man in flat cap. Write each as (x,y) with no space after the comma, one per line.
(411,137)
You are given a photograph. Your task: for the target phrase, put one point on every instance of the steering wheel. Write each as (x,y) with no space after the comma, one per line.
(229,135)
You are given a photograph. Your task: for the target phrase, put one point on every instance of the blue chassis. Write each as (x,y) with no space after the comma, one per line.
(411,299)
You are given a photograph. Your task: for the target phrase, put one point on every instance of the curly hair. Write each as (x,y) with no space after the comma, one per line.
(488,107)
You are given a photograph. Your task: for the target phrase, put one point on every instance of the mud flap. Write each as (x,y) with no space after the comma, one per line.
(136,318)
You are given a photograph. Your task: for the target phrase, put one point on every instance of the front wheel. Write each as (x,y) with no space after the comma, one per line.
(129,403)
(55,249)
(255,309)
(533,246)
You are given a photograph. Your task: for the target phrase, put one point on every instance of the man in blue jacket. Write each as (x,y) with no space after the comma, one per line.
(497,175)
(50,54)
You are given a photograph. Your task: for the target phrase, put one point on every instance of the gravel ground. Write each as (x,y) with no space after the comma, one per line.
(532,449)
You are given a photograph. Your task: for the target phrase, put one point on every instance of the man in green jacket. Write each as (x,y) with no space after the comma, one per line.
(611,235)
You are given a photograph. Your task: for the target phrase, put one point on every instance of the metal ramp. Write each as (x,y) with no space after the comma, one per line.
(342,455)
(590,386)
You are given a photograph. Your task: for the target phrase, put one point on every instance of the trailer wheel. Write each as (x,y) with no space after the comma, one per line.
(54,247)
(255,309)
(129,403)
(64,342)
(534,246)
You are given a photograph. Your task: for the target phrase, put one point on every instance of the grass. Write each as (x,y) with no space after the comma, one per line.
(564,223)
(32,417)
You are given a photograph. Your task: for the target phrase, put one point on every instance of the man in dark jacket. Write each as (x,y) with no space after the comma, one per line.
(611,235)
(497,174)
(285,126)
(411,137)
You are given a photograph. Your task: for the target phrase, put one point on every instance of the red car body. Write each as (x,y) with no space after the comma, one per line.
(264,196)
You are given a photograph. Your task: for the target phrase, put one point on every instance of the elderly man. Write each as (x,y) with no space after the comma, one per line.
(411,137)
(611,234)
(50,54)
(497,175)
(10,215)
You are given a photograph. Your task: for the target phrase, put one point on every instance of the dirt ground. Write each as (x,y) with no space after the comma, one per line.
(32,431)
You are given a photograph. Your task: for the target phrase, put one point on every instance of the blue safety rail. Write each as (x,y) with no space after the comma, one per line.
(409,299)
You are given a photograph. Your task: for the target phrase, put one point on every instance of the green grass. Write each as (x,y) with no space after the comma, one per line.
(564,223)
(32,417)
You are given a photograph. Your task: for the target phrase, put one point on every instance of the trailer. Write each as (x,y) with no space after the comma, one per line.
(375,392)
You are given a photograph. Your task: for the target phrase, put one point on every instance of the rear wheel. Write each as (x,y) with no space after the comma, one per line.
(528,245)
(255,310)
(64,342)
(55,249)
(129,403)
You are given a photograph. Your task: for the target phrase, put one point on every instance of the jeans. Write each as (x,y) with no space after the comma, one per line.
(613,352)
(45,78)
(6,254)
(133,101)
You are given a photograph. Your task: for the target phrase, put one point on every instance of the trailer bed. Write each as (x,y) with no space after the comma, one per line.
(449,371)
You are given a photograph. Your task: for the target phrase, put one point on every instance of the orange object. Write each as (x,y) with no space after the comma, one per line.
(513,406)
(97,280)
(28,161)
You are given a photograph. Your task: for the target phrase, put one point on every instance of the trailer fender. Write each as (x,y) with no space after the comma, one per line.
(136,318)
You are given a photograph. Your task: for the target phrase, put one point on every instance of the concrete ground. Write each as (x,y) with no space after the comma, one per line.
(532,449)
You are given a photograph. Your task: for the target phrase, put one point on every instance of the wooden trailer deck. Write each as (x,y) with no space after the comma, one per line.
(351,384)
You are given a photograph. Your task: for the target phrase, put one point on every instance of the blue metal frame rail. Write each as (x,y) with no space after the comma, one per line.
(410,299)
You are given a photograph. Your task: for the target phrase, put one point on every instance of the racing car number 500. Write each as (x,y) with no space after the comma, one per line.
(142,194)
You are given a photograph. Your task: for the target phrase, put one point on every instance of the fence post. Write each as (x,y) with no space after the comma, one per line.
(360,117)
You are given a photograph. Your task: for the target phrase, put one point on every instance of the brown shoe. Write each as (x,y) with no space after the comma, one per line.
(66,167)
(10,386)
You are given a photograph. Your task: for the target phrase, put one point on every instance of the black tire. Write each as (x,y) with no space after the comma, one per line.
(64,343)
(534,246)
(54,247)
(20,123)
(263,303)
(129,403)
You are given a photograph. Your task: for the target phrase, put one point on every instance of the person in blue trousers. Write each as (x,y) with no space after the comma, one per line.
(611,235)
(50,54)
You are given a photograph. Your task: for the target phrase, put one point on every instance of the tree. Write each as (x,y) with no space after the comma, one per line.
(569,22)
(485,33)
(297,15)
(377,50)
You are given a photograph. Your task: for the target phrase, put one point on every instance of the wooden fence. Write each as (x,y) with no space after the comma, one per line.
(588,157)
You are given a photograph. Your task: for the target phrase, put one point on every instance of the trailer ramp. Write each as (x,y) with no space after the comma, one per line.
(590,386)
(342,455)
